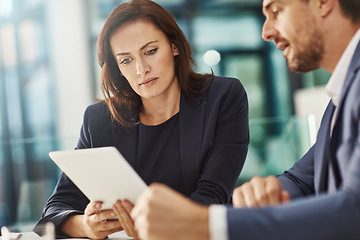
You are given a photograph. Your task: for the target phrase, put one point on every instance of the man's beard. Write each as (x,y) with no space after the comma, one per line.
(309,57)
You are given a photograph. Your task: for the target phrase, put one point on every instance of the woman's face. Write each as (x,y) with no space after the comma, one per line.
(145,58)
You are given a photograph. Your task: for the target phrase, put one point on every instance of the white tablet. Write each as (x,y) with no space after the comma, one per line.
(102,174)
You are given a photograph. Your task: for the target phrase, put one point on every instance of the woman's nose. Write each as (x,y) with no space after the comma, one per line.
(142,68)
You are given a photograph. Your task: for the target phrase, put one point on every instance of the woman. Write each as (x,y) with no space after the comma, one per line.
(174,126)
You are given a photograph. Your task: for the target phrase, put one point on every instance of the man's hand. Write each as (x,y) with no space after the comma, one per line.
(260,192)
(161,214)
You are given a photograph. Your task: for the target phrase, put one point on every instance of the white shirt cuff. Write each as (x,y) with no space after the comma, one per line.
(218,222)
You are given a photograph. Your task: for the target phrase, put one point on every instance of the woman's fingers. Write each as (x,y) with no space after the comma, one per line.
(98,223)
(123,210)
(93,208)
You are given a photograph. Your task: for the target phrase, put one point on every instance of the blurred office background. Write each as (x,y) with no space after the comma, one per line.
(49,74)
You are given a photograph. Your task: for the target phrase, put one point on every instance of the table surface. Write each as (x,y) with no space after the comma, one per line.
(33,236)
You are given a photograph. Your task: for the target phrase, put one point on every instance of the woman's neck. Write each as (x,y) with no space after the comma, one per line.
(158,110)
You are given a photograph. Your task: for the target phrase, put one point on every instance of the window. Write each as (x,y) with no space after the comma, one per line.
(26,105)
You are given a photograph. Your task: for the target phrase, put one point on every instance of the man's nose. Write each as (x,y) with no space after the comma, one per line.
(268,31)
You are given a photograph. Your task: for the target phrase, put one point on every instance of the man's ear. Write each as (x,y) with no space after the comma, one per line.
(324,7)
(175,49)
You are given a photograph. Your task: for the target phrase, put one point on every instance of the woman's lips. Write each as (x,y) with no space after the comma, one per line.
(148,82)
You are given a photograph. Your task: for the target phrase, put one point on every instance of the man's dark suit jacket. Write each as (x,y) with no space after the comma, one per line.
(334,213)
(214,138)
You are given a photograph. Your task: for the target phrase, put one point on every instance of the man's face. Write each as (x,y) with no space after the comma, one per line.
(293,28)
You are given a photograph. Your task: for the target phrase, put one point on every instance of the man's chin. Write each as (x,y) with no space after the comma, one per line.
(300,67)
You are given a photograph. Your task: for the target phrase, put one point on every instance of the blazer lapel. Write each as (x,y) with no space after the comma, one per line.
(322,151)
(351,74)
(354,66)
(191,132)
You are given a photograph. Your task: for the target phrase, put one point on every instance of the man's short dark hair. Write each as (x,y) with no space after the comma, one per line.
(351,9)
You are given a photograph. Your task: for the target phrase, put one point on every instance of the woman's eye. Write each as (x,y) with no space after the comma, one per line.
(125,61)
(151,52)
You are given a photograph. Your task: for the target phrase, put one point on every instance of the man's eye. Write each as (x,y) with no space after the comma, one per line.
(275,12)
(151,52)
(125,61)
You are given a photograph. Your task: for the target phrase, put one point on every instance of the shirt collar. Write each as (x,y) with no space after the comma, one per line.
(337,79)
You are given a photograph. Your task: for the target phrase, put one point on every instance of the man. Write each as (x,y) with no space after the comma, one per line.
(324,186)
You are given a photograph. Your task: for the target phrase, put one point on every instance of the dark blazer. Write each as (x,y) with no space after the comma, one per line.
(335,211)
(214,138)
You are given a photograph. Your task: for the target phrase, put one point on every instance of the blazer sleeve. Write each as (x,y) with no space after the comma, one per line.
(324,217)
(225,158)
(299,180)
(67,200)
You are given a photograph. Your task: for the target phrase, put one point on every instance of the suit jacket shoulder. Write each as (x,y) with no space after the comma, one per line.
(96,130)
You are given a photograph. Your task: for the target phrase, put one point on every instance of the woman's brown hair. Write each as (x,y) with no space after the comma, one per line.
(119,96)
